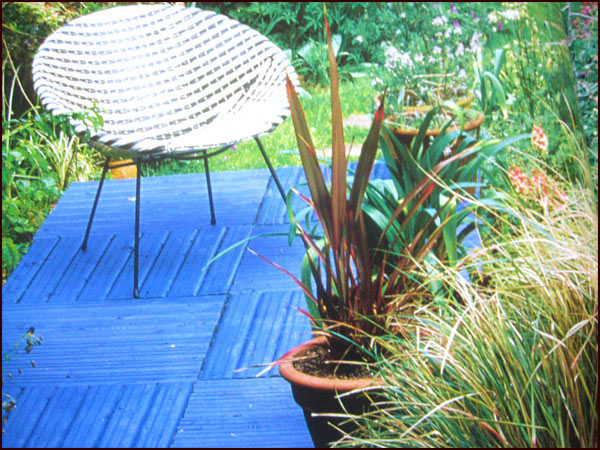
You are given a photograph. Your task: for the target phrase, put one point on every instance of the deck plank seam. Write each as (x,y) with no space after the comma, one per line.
(39,418)
(91,274)
(39,267)
(191,242)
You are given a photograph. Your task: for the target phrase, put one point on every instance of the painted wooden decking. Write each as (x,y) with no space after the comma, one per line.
(178,366)
(166,369)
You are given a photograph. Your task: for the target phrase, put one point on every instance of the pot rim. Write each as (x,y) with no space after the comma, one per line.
(462,102)
(291,374)
(475,123)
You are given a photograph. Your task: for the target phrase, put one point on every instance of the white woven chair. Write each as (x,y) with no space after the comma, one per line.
(168,81)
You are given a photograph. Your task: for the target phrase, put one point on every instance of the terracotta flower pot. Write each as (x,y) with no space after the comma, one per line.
(320,395)
(122,169)
(406,135)
(462,102)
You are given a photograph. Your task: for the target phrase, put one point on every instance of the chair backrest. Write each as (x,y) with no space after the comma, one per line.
(165,79)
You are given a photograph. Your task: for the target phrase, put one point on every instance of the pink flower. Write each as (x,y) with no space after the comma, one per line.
(519,180)
(538,189)
(539,140)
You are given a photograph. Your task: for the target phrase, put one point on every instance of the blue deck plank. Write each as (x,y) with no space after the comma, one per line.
(59,413)
(114,342)
(256,329)
(271,242)
(167,202)
(113,371)
(22,423)
(151,244)
(255,412)
(75,277)
(22,277)
(107,266)
(220,274)
(88,427)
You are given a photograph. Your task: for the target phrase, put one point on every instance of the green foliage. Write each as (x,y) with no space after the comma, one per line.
(492,96)
(407,229)
(582,26)
(25,25)
(297,27)
(311,60)
(40,153)
(515,363)
(538,78)
(430,58)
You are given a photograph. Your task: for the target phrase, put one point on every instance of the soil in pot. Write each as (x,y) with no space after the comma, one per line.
(317,390)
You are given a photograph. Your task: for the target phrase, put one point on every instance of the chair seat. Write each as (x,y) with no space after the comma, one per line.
(165,79)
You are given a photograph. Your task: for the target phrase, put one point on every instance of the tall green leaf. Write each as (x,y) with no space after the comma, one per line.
(366,160)
(314,177)
(339,164)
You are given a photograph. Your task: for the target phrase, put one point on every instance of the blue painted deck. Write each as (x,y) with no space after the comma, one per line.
(165,370)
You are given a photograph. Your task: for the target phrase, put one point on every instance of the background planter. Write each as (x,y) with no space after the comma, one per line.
(122,169)
(320,395)
(406,135)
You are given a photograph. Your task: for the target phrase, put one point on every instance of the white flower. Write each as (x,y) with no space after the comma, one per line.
(419,58)
(511,14)
(447,151)
(395,59)
(460,49)
(439,21)
(492,17)
(475,44)
(359,38)
(462,74)
(403,15)
(511,99)
(437,50)
(431,59)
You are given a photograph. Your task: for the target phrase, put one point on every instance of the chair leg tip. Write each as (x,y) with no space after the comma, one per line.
(136,293)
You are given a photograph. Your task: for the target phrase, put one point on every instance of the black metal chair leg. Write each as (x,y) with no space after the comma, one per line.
(270,166)
(136,256)
(91,219)
(213,221)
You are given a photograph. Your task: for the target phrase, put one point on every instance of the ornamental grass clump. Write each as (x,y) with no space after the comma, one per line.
(515,364)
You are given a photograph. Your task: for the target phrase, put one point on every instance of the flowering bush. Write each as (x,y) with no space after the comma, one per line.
(432,59)
(539,140)
(536,188)
(582,26)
